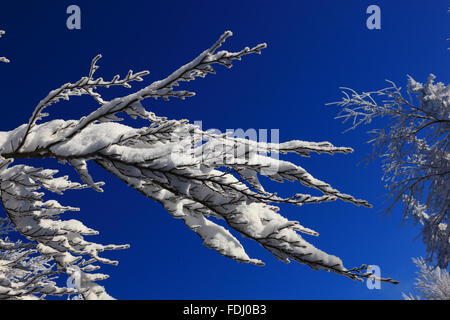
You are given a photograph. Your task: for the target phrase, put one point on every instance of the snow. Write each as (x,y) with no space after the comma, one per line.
(195,175)
(432,283)
(414,150)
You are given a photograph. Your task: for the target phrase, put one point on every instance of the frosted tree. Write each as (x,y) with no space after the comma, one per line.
(414,148)
(24,273)
(432,283)
(196,175)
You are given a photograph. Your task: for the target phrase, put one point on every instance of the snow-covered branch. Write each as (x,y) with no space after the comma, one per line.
(58,240)
(24,274)
(414,148)
(194,174)
(432,283)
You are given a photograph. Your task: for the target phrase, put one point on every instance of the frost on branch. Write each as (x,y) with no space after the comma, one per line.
(23,273)
(432,283)
(414,147)
(61,241)
(195,175)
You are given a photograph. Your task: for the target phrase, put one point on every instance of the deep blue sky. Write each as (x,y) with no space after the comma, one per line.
(313,48)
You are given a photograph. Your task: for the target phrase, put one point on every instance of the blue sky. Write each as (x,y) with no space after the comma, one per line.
(314,47)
